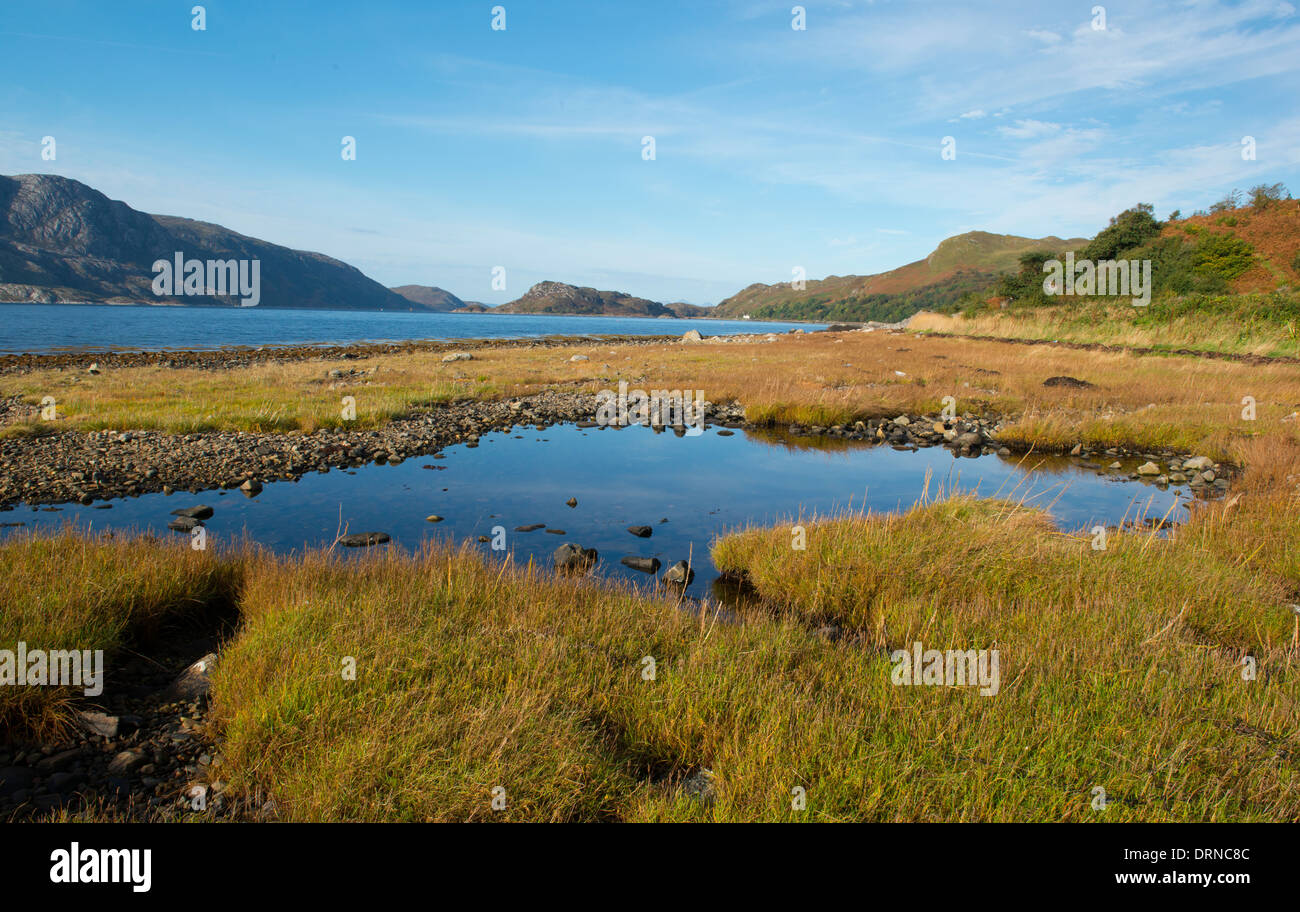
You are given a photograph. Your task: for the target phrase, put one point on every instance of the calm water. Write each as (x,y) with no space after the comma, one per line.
(53,327)
(703,486)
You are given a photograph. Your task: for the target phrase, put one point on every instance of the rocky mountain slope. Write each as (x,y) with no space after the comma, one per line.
(63,241)
(559,298)
(430,297)
(690,311)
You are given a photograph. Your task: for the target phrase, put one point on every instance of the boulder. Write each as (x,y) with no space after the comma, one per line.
(1149,469)
(194,681)
(202,511)
(57,762)
(98,723)
(679,574)
(644,564)
(125,762)
(692,336)
(700,785)
(363,539)
(573,558)
(641,531)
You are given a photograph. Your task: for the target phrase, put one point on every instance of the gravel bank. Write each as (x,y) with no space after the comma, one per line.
(73,467)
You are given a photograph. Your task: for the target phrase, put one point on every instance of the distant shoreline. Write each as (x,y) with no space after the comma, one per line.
(491,311)
(231,356)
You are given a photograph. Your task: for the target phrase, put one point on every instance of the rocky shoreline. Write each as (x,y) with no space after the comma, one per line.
(237,357)
(76,467)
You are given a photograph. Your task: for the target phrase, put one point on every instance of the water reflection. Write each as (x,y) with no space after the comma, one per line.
(688,490)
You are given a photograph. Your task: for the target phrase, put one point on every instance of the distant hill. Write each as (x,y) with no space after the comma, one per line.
(690,311)
(474,307)
(429,297)
(559,298)
(61,240)
(964,263)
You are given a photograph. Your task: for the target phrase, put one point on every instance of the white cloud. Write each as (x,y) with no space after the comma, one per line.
(1030,129)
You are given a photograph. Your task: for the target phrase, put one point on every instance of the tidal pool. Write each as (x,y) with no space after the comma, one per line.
(702,486)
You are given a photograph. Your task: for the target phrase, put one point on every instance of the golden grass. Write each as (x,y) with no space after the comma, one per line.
(1120,669)
(1124,325)
(822,378)
(70,591)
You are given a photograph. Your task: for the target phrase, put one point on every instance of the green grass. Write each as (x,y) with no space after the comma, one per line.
(1119,669)
(70,591)
(1244,324)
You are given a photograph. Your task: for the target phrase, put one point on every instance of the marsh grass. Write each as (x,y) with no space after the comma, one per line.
(1119,669)
(812,379)
(71,590)
(1233,324)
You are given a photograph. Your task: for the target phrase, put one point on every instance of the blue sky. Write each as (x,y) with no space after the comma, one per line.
(774,147)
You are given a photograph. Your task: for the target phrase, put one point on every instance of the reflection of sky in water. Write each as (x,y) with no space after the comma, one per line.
(702,485)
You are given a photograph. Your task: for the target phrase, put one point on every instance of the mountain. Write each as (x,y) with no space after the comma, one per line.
(61,240)
(559,298)
(429,297)
(690,311)
(966,262)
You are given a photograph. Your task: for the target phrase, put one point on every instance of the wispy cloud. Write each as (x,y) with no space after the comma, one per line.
(774,147)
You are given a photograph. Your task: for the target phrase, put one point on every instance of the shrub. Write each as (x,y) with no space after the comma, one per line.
(1264,195)
(1229,202)
(1130,228)
(1223,255)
